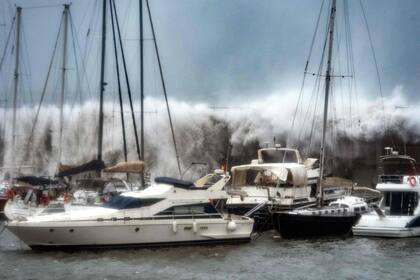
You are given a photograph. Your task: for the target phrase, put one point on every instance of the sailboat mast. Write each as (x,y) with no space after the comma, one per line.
(15,90)
(141,88)
(327,93)
(102,83)
(63,79)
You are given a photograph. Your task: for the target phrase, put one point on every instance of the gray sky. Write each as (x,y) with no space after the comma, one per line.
(235,49)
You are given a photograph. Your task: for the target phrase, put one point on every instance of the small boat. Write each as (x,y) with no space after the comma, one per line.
(170,212)
(335,219)
(398,213)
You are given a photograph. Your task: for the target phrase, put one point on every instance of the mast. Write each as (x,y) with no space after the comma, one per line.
(15,88)
(63,79)
(327,92)
(102,83)
(141,89)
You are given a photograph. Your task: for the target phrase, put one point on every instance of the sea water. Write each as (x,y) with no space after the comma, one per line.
(266,257)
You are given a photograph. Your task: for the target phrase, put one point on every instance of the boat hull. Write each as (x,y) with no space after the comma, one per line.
(263,218)
(297,225)
(390,226)
(3,201)
(131,233)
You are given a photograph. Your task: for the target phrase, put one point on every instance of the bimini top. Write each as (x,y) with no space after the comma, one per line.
(126,167)
(36,181)
(187,185)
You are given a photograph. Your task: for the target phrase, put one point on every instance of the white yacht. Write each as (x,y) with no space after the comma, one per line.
(169,212)
(398,213)
(278,176)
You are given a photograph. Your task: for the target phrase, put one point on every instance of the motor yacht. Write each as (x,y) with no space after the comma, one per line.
(278,176)
(398,212)
(168,212)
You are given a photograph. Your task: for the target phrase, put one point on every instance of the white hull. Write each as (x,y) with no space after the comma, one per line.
(386,232)
(130,233)
(389,226)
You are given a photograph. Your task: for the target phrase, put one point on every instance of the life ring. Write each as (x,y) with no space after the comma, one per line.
(412,181)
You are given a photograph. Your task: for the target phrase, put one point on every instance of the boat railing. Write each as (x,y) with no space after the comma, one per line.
(256,208)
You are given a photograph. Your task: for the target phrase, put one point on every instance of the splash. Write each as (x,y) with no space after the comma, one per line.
(204,133)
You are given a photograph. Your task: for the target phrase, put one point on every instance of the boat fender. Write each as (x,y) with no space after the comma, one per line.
(412,181)
(195,227)
(174,226)
(231,226)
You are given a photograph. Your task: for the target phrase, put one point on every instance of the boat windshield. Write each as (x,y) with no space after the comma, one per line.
(399,166)
(400,203)
(279,156)
(126,202)
(254,177)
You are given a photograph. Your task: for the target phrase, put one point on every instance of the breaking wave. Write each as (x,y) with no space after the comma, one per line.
(207,134)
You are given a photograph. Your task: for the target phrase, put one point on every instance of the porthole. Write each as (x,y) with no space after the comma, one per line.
(137,229)
(71,230)
(51,230)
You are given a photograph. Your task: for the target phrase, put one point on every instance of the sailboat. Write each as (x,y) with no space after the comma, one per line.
(320,221)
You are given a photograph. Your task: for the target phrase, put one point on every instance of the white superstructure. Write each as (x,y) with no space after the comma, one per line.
(398,213)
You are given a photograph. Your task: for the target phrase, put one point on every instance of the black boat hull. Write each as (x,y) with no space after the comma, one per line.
(298,225)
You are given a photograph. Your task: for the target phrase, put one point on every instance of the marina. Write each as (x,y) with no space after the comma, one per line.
(120,158)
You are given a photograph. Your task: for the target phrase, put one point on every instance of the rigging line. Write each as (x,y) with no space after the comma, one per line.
(163,86)
(78,88)
(315,90)
(127,83)
(112,7)
(351,52)
(7,42)
(303,125)
(304,76)
(26,63)
(76,44)
(44,90)
(88,45)
(317,87)
(375,61)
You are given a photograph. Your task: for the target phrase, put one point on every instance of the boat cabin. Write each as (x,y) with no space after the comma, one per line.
(279,155)
(392,167)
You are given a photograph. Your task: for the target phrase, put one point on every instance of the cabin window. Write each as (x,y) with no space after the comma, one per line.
(126,202)
(399,166)
(190,210)
(363,208)
(401,203)
(356,209)
(279,156)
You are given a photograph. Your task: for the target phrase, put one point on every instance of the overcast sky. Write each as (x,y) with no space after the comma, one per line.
(228,49)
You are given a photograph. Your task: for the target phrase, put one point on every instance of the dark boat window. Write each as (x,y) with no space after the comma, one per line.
(402,203)
(195,209)
(278,156)
(126,202)
(399,166)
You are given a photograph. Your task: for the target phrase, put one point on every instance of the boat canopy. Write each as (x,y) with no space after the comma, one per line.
(68,170)
(126,167)
(36,181)
(254,174)
(188,185)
